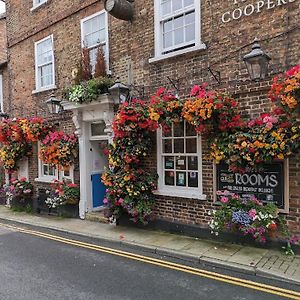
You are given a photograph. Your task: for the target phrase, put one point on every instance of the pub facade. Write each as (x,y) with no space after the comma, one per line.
(174,44)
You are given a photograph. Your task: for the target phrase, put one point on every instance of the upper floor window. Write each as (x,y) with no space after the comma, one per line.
(177,27)
(44,64)
(94,34)
(37,3)
(179,162)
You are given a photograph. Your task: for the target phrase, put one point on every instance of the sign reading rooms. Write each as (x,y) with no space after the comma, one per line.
(254,8)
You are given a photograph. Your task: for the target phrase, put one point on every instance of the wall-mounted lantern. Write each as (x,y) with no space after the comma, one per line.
(257,62)
(119,92)
(120,9)
(54,105)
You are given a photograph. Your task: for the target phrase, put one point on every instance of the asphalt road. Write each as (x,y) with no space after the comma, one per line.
(33,267)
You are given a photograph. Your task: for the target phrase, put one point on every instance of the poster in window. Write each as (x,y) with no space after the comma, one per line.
(193,163)
(180,162)
(181,179)
(193,179)
(169,178)
(169,162)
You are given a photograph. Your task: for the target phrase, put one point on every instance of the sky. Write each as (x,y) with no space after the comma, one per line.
(2,7)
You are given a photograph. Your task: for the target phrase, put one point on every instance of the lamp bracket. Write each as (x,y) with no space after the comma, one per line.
(215,74)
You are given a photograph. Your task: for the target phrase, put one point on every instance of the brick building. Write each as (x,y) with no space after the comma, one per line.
(167,43)
(3,64)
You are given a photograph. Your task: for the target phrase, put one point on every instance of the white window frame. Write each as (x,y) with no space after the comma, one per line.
(1,94)
(106,35)
(159,55)
(59,174)
(45,178)
(35,4)
(175,191)
(51,86)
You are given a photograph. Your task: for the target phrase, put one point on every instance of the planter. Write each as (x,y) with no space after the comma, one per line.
(20,202)
(68,211)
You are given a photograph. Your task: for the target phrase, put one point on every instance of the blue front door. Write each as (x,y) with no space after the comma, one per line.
(98,189)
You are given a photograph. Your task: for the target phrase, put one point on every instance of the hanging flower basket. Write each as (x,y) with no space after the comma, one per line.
(59,149)
(17,136)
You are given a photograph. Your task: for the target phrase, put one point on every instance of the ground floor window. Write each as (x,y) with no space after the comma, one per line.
(179,161)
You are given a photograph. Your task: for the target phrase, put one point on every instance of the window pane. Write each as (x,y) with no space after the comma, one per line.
(178,22)
(45,170)
(179,129)
(178,36)
(67,172)
(168,41)
(169,178)
(190,18)
(193,163)
(181,178)
(191,145)
(177,4)
(179,146)
(169,162)
(98,128)
(190,130)
(166,7)
(51,171)
(188,2)
(180,163)
(193,179)
(190,33)
(168,26)
(167,146)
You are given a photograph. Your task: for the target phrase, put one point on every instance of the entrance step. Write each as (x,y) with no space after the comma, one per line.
(96,216)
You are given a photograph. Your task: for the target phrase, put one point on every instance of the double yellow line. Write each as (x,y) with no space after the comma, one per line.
(165,264)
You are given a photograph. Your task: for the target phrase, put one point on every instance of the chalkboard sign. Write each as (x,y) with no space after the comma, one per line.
(268,185)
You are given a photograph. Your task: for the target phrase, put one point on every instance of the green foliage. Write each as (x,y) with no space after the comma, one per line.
(88,91)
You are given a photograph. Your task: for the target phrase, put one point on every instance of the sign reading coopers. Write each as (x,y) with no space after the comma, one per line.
(269,185)
(242,9)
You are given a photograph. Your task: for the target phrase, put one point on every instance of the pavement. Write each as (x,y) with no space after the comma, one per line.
(270,263)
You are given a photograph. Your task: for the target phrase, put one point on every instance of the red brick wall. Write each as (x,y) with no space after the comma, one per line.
(132,43)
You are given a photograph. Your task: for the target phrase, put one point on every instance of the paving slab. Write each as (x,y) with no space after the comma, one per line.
(248,256)
(222,251)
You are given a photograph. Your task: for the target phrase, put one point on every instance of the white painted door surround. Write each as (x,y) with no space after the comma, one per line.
(83,116)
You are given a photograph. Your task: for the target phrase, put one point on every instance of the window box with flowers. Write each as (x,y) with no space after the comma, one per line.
(63,199)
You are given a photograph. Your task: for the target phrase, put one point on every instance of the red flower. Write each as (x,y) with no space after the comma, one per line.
(272,226)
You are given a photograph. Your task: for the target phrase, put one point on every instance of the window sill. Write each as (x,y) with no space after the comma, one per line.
(44,89)
(180,194)
(37,6)
(45,180)
(177,53)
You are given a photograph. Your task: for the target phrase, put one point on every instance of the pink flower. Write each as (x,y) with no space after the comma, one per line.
(105,200)
(269,125)
(23,179)
(121,200)
(224,199)
(251,123)
(252,213)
